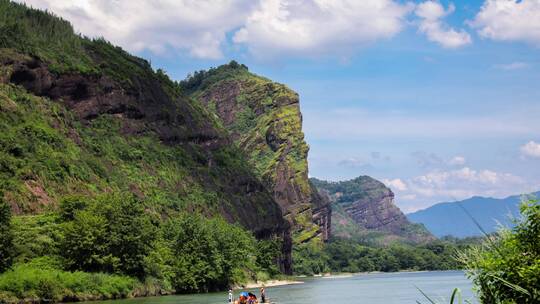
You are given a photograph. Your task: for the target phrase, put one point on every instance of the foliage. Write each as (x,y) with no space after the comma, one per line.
(351,256)
(309,259)
(112,234)
(268,253)
(208,252)
(200,80)
(361,187)
(506,268)
(43,35)
(6,235)
(36,236)
(42,279)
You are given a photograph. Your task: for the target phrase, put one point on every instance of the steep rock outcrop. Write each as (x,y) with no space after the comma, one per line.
(369,204)
(264,119)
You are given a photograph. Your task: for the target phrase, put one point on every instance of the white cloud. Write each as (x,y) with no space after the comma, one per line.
(457,161)
(512,66)
(509,20)
(531,149)
(458,184)
(431,13)
(196,27)
(267,27)
(395,184)
(319,27)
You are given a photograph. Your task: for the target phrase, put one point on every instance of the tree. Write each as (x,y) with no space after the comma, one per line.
(113,233)
(207,252)
(6,235)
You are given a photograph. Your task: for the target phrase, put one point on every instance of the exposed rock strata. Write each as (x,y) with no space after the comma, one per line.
(264,119)
(370,204)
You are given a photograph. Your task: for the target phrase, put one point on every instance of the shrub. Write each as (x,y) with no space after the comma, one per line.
(209,254)
(33,281)
(506,268)
(113,234)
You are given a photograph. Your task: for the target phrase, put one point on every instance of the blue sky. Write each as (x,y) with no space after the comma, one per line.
(440,100)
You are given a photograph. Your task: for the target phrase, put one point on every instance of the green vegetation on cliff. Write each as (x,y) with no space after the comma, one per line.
(264,119)
(113,175)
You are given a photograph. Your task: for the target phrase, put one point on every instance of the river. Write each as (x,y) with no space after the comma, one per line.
(377,288)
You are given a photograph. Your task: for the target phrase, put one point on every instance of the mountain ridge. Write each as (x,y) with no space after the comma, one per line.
(368,204)
(489,212)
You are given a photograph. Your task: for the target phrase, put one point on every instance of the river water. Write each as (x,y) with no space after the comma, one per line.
(379,288)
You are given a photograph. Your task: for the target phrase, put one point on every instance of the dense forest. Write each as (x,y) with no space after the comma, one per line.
(346,255)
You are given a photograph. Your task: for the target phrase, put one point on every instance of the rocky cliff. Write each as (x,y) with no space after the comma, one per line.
(365,205)
(82,117)
(264,119)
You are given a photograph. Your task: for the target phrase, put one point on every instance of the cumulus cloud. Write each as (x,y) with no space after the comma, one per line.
(509,20)
(395,184)
(196,27)
(431,14)
(203,28)
(457,184)
(531,149)
(319,27)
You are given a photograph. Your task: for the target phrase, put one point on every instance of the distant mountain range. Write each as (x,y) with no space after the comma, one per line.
(450,219)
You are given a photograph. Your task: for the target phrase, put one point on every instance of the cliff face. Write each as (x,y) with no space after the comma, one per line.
(369,204)
(84,117)
(264,119)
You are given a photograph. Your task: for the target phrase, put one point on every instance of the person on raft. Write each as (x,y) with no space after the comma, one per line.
(243,298)
(252,299)
(263,296)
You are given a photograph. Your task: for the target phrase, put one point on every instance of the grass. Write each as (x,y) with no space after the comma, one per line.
(40,281)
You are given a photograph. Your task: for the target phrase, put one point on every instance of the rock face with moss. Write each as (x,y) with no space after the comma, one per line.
(366,206)
(83,117)
(264,119)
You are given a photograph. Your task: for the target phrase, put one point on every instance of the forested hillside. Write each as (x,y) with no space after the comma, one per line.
(110,170)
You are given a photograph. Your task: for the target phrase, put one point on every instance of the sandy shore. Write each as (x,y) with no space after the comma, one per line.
(270,283)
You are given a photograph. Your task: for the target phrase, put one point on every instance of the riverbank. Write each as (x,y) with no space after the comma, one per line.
(269,283)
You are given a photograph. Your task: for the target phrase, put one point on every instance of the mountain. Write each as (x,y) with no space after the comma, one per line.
(364,208)
(450,218)
(264,120)
(83,117)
